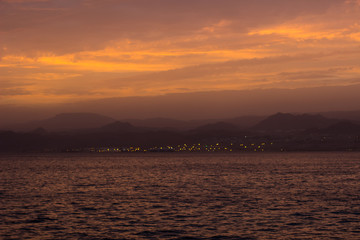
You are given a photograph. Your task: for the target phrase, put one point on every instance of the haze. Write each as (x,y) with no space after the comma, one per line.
(61,52)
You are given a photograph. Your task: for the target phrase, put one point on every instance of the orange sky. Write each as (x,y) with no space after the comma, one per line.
(71,50)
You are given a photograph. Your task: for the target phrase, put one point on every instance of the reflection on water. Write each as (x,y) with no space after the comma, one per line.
(169,196)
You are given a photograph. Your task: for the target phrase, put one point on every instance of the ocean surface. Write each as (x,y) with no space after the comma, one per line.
(180,196)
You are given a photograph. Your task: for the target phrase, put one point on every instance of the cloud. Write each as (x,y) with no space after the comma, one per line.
(69,48)
(88,25)
(353,2)
(311,32)
(244,74)
(24,1)
(14,92)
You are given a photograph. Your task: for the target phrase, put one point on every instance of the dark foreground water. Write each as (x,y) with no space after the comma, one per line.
(170,196)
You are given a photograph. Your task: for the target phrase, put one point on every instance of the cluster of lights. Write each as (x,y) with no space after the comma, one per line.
(112,149)
(217,147)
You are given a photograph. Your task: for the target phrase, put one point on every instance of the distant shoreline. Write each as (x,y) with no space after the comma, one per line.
(174,153)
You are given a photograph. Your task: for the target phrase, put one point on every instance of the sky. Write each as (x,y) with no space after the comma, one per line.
(61,51)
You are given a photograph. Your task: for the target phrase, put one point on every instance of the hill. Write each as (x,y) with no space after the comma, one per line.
(342,128)
(118,127)
(216,127)
(290,122)
(67,121)
(348,115)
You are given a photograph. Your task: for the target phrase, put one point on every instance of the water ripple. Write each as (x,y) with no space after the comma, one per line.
(169,196)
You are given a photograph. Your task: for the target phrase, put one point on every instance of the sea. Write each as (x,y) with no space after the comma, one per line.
(309,195)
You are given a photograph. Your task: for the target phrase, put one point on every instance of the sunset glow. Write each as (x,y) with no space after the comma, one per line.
(61,51)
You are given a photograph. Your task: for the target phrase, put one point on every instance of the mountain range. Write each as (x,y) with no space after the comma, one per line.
(276,122)
(80,130)
(290,122)
(200,106)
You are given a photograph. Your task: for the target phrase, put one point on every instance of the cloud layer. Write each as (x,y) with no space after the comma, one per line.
(71,50)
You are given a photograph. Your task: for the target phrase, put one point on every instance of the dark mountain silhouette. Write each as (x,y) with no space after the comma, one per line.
(216,127)
(215,130)
(343,135)
(242,122)
(39,131)
(167,123)
(183,125)
(118,127)
(245,122)
(290,122)
(68,121)
(342,128)
(348,115)
(81,121)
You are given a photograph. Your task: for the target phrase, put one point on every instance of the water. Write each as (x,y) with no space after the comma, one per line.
(180,196)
